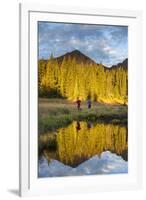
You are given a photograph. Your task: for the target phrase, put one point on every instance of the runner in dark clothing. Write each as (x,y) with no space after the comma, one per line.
(89,103)
(78,104)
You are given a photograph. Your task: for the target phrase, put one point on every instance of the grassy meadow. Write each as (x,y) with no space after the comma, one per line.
(56,113)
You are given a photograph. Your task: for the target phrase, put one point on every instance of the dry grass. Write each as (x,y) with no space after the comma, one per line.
(55,113)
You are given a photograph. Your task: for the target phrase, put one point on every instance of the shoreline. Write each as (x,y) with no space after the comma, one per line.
(59,113)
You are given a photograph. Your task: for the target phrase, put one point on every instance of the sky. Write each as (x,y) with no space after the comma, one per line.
(102,43)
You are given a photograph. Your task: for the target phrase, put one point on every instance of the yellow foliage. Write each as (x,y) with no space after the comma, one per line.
(80,141)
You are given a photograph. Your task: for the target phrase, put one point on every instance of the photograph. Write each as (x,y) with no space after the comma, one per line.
(82,99)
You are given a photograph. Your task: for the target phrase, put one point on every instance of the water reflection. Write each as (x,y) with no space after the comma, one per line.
(89,125)
(78,127)
(80,141)
(107,163)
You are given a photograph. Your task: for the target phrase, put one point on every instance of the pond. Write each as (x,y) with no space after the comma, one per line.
(84,148)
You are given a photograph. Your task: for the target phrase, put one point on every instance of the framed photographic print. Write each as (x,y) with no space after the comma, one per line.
(80,100)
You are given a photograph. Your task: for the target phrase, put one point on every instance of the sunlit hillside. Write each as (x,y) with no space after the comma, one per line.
(76,76)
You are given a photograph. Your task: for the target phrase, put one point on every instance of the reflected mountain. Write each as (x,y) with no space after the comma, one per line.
(80,141)
(107,163)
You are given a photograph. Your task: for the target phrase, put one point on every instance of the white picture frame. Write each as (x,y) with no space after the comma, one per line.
(30,185)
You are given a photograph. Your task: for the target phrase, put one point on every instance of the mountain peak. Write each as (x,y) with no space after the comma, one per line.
(76,51)
(77,55)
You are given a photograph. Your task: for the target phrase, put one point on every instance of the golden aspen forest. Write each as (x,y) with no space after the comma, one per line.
(82,99)
(72,80)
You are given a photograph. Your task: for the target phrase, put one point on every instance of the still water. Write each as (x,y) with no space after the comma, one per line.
(84,149)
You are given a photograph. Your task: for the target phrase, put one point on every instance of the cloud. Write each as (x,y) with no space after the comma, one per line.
(106,44)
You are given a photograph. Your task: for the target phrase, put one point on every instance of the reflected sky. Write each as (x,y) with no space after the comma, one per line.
(107,163)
